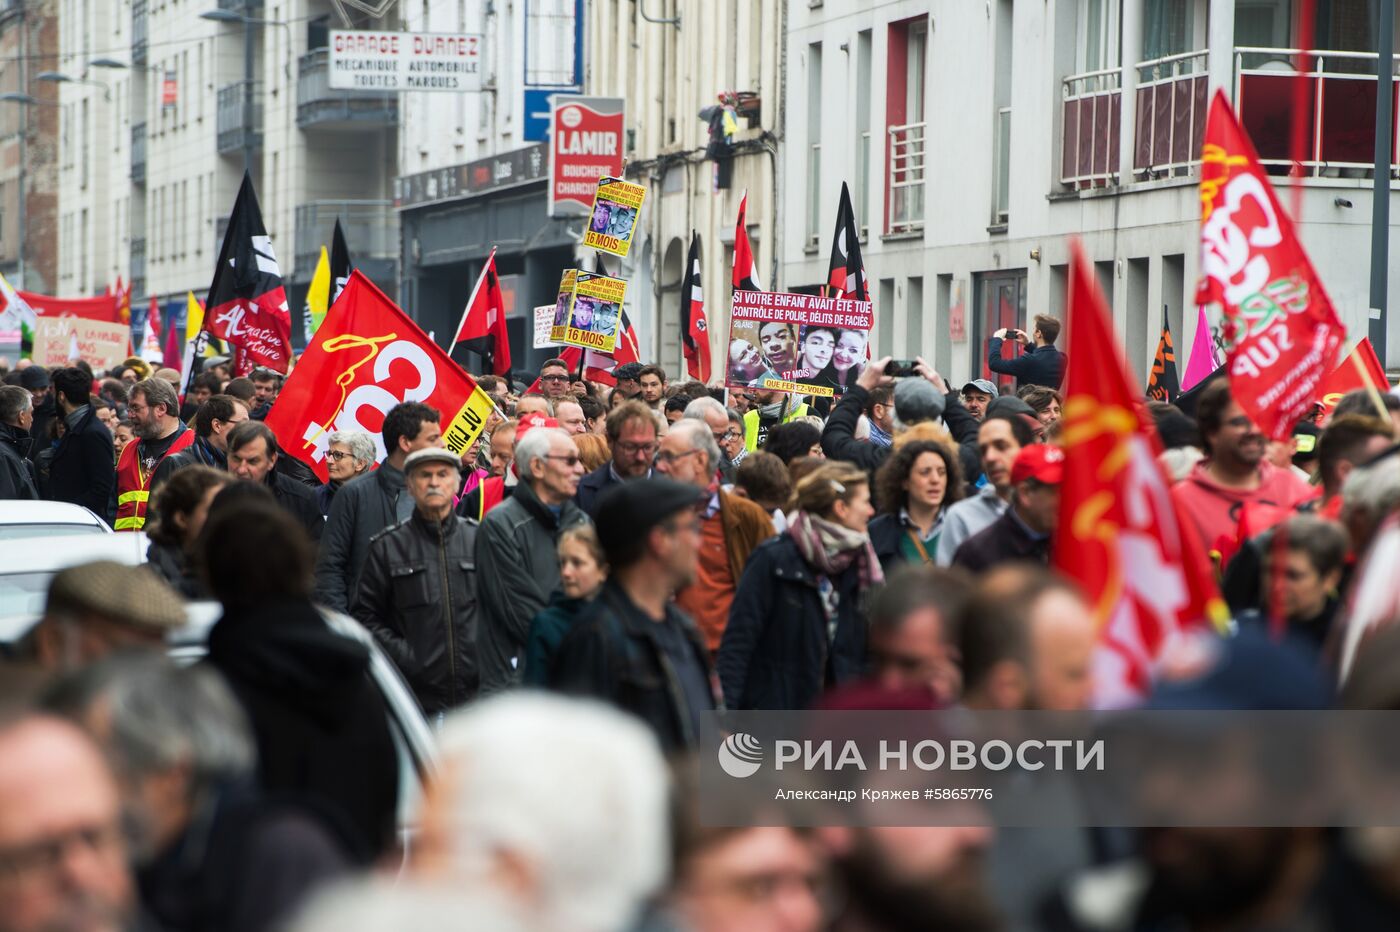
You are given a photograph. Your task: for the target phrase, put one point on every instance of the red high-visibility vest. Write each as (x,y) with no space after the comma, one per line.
(134,484)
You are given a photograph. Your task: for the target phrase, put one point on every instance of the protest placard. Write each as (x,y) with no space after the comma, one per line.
(800,343)
(544,321)
(101,344)
(588,311)
(616,206)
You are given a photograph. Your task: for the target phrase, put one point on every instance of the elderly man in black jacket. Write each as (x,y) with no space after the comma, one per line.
(367,505)
(417,593)
(16,472)
(84,470)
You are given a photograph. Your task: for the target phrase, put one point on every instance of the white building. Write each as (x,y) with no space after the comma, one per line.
(979,137)
(668,68)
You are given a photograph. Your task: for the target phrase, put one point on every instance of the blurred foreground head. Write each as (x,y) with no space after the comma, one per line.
(554,808)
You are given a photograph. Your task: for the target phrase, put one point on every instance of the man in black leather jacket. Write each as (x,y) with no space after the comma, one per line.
(417,593)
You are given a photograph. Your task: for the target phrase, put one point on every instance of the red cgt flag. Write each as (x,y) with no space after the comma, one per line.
(365,358)
(1119,536)
(1361,369)
(1280,324)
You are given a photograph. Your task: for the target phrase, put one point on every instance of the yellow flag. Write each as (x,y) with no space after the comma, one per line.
(194,316)
(318,296)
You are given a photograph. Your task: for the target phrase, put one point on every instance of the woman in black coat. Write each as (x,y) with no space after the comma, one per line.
(797,625)
(179,510)
(914,489)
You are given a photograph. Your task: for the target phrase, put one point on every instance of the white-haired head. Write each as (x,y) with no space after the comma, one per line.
(568,797)
(535,446)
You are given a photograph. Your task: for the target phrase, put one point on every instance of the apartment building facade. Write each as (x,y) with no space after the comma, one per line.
(28,144)
(980,138)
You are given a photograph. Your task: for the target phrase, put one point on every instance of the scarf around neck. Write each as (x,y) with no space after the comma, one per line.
(831,548)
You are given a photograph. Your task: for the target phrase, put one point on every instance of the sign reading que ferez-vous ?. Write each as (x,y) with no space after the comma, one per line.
(404,61)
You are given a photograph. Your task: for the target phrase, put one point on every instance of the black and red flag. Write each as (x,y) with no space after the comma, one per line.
(745,266)
(845,278)
(695,333)
(341,266)
(483,326)
(1164,384)
(247,305)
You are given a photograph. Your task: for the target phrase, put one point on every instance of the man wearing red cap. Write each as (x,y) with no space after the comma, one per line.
(1023,531)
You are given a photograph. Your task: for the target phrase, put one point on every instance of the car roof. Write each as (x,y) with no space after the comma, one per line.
(26,512)
(60,551)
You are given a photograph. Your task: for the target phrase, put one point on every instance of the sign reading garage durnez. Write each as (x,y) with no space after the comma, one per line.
(404,61)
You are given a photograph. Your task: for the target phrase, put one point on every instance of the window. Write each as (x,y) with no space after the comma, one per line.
(814,142)
(1098,35)
(904,119)
(551,53)
(86,130)
(1166,28)
(862,112)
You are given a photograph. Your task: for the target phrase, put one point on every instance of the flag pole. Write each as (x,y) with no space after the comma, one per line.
(1370,385)
(476,289)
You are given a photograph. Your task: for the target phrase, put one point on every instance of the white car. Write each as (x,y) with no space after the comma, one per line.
(20,520)
(27,565)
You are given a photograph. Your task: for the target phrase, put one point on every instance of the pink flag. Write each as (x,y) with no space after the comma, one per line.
(1202,362)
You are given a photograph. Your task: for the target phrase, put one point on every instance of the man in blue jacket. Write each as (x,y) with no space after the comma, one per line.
(1040,364)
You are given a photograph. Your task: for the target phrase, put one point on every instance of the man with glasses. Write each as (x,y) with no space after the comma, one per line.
(1235,471)
(633,648)
(517,563)
(63,858)
(554,380)
(717,419)
(632,438)
(730,526)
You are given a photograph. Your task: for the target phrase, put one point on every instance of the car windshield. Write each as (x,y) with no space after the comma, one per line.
(22,531)
(24,593)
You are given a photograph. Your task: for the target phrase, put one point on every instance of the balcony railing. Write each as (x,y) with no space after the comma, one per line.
(904,185)
(138,261)
(371,230)
(138,153)
(319,105)
(1092,110)
(1340,134)
(1171,114)
(139,32)
(231,125)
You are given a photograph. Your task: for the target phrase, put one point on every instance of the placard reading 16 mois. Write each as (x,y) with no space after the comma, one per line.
(362,60)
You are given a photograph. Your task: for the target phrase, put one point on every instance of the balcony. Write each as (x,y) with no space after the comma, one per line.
(1092,110)
(139,32)
(1340,134)
(138,153)
(1172,101)
(138,264)
(321,107)
(241,6)
(904,186)
(234,105)
(371,233)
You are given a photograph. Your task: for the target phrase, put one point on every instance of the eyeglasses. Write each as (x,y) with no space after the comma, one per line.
(632,449)
(569,459)
(554,378)
(726,436)
(668,457)
(338,455)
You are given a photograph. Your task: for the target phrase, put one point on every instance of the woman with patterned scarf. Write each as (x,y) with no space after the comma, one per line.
(797,626)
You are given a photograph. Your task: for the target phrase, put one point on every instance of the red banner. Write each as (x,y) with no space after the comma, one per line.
(105,307)
(1282,330)
(367,357)
(1119,535)
(1361,369)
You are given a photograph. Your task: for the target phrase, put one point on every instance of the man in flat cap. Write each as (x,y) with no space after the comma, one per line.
(417,592)
(633,648)
(95,609)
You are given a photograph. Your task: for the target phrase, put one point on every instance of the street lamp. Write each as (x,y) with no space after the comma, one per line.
(59,77)
(248,21)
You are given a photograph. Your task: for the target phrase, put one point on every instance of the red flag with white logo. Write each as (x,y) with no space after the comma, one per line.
(483,326)
(695,334)
(1119,535)
(1282,331)
(247,305)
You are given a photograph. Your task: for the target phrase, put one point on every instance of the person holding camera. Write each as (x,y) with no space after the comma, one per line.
(1040,364)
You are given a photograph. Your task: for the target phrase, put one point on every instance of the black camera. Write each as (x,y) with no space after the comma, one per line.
(901,368)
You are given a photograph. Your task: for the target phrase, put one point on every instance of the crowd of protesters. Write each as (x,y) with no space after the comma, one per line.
(568,597)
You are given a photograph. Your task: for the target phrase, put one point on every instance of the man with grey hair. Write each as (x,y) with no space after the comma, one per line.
(517,565)
(349,453)
(713,414)
(731,525)
(210,853)
(16,472)
(584,860)
(153,410)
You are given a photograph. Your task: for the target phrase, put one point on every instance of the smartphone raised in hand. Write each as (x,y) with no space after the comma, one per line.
(901,368)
